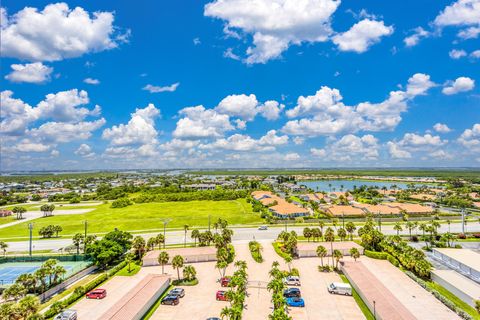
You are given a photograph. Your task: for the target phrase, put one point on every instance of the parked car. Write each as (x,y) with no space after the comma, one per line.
(340,288)
(225,281)
(295,302)
(221,295)
(292,281)
(171,300)
(263,228)
(291,293)
(213,318)
(68,314)
(96,294)
(177,292)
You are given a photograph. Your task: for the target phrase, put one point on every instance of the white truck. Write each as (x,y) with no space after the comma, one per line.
(340,288)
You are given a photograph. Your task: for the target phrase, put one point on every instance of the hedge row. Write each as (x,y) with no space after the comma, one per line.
(79,292)
(382,256)
(449,304)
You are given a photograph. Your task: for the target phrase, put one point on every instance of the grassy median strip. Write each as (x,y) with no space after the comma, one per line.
(460,304)
(157,303)
(366,312)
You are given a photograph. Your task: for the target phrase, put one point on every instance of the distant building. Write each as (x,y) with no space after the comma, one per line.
(5,213)
(464,261)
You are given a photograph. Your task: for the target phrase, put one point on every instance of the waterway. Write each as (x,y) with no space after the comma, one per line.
(343,185)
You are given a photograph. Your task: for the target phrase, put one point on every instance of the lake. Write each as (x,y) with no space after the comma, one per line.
(330,185)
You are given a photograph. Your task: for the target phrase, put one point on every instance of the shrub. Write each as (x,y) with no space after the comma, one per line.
(414,238)
(121,203)
(476,235)
(376,255)
(462,236)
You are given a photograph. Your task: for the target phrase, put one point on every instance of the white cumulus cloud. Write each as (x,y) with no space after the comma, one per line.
(461,84)
(362,35)
(31,73)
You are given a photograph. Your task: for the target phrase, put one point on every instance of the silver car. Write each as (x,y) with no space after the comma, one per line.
(68,314)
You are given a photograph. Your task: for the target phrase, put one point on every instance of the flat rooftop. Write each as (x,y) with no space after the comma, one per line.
(465,256)
(182,252)
(462,283)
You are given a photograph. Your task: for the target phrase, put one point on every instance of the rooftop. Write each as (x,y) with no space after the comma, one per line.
(465,256)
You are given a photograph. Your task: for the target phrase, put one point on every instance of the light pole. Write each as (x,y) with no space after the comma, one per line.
(30,228)
(343,220)
(374,311)
(85,237)
(165,222)
(209,216)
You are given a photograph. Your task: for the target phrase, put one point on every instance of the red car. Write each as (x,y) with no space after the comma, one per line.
(225,281)
(96,294)
(220,296)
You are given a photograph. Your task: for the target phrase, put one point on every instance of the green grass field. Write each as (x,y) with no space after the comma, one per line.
(145,216)
(4,220)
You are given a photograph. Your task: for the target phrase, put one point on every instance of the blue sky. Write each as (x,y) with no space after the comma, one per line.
(237,83)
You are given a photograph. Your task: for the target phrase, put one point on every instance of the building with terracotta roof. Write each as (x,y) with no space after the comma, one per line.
(378,209)
(5,213)
(337,210)
(411,208)
(285,210)
(190,255)
(423,196)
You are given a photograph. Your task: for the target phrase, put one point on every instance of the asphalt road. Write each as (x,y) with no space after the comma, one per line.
(241,235)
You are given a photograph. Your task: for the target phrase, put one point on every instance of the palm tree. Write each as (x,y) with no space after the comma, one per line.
(330,237)
(3,247)
(195,235)
(342,234)
(19,211)
(288,260)
(177,263)
(307,233)
(350,226)
(151,242)
(29,306)
(58,273)
(321,253)
(337,254)
(57,229)
(189,273)
(77,240)
(160,240)
(398,227)
(163,259)
(139,244)
(185,229)
(354,253)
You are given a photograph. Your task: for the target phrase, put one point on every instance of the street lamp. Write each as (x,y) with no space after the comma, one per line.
(165,222)
(30,228)
(85,237)
(374,311)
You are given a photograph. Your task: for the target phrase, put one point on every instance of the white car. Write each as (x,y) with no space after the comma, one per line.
(292,281)
(263,228)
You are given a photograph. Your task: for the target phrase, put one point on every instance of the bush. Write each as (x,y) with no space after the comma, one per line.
(476,235)
(255,250)
(294,272)
(121,203)
(462,236)
(376,255)
(414,238)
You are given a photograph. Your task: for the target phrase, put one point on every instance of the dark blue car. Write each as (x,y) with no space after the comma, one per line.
(295,302)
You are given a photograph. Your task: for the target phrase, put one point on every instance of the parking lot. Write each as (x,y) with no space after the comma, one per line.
(199,301)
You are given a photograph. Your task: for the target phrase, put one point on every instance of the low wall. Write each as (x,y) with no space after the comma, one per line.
(60,287)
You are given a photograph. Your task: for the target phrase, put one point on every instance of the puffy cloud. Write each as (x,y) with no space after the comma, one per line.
(419,84)
(274,25)
(415,141)
(457,54)
(469,33)
(460,13)
(26,145)
(396,152)
(321,153)
(362,35)
(442,128)
(91,81)
(418,34)
(63,132)
(15,115)
(292,156)
(84,150)
(240,142)
(155,89)
(330,116)
(140,129)
(349,147)
(231,55)
(461,84)
(63,106)
(198,123)
(470,138)
(31,73)
(441,154)
(247,107)
(241,106)
(57,32)
(475,54)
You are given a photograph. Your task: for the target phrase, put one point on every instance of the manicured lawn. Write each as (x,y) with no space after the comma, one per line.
(145,216)
(4,220)
(134,268)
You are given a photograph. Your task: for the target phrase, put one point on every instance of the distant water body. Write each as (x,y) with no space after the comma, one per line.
(330,185)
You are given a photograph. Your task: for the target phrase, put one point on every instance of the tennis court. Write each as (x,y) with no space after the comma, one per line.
(9,272)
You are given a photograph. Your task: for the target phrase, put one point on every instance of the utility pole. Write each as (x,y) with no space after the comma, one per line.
(30,228)
(343,220)
(286,222)
(463,221)
(374,311)
(209,216)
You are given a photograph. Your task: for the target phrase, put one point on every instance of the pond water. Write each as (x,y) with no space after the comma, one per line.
(343,185)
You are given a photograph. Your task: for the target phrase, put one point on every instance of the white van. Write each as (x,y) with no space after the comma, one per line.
(68,314)
(340,288)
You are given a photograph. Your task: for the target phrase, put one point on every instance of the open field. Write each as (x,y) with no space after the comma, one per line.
(4,220)
(145,216)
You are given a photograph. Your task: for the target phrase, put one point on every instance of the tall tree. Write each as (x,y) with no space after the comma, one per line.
(163,258)
(177,263)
